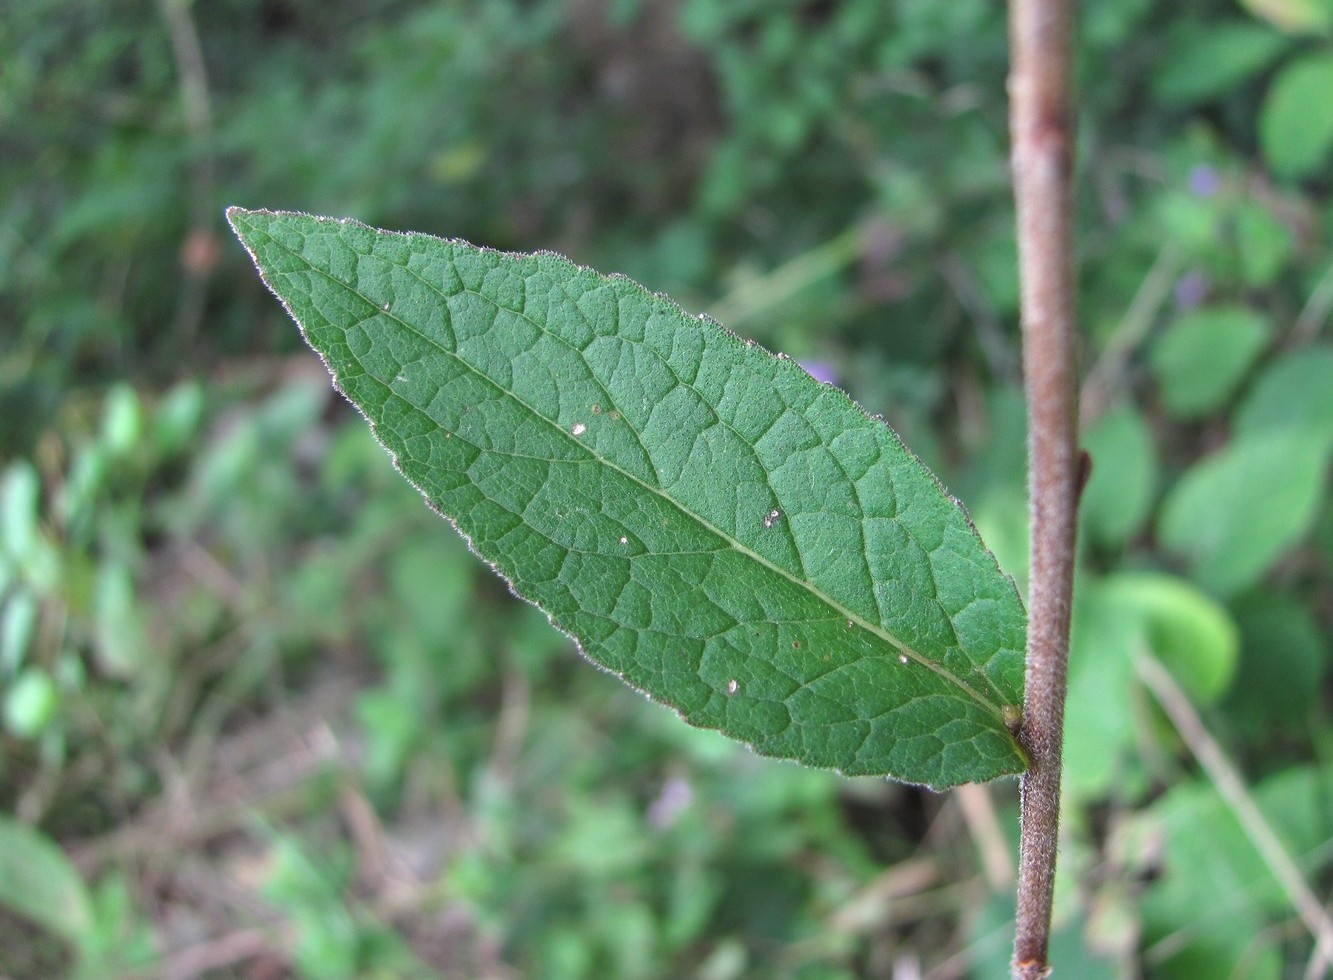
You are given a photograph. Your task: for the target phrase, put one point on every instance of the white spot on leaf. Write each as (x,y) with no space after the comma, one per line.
(772,517)
(733,686)
(579,428)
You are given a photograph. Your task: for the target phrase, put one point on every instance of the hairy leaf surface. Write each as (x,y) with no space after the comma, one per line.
(728,535)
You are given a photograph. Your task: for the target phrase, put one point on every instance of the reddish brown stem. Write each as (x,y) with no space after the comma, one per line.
(1041,124)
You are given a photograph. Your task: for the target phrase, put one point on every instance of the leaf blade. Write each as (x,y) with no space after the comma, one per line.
(726,534)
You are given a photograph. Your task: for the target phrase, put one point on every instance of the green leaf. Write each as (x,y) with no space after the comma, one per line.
(1214,896)
(1202,357)
(1236,512)
(30,703)
(992,924)
(1266,243)
(1296,122)
(1291,395)
(122,644)
(1117,619)
(18,620)
(1189,632)
(38,882)
(20,496)
(733,538)
(1120,491)
(1099,718)
(1210,59)
(1283,663)
(122,420)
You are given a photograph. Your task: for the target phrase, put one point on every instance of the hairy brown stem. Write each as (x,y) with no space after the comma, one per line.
(1041,125)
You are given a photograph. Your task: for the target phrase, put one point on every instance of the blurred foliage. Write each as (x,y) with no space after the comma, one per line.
(262,712)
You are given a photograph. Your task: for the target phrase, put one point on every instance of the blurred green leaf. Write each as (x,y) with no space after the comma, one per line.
(1284,660)
(122,420)
(1235,513)
(578,428)
(1291,395)
(310,891)
(1111,23)
(992,927)
(1189,632)
(122,642)
(1265,243)
(1099,713)
(18,616)
(433,590)
(1201,358)
(1119,495)
(38,882)
(1210,903)
(30,703)
(20,490)
(78,493)
(121,941)
(1209,59)
(177,417)
(1116,619)
(392,729)
(1296,122)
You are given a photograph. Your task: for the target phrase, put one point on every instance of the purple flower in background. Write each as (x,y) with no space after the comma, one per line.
(1203,181)
(1191,289)
(821,371)
(675,797)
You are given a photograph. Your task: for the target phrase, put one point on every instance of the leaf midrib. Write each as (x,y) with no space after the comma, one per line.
(735,543)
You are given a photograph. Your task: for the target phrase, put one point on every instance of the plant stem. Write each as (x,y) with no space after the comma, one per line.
(1041,125)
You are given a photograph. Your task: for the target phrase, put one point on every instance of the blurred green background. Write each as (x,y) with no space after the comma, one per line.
(264,716)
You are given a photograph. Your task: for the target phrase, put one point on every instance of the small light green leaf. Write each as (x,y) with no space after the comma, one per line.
(1210,59)
(38,882)
(1189,632)
(1120,491)
(30,703)
(177,417)
(1296,121)
(1235,513)
(725,533)
(1202,357)
(20,494)
(122,420)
